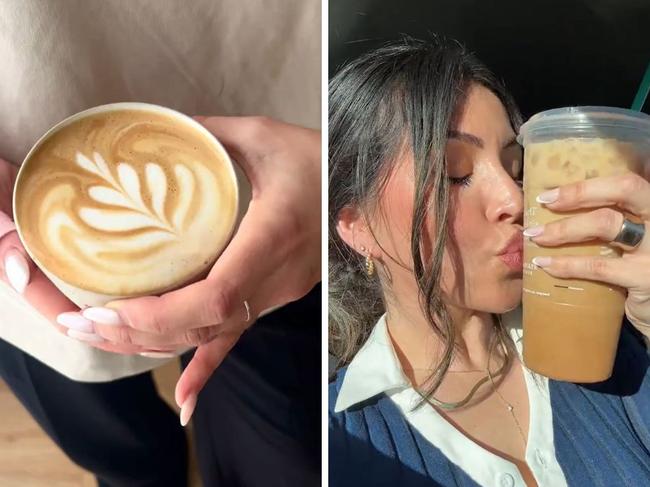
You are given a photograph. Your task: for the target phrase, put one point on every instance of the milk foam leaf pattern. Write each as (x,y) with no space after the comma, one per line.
(186,180)
(97,166)
(125,192)
(157,184)
(126,202)
(130,183)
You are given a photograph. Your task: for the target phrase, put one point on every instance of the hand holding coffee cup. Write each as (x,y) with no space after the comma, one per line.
(611,201)
(121,200)
(274,257)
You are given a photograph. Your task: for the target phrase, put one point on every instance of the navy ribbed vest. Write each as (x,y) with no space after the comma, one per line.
(601,434)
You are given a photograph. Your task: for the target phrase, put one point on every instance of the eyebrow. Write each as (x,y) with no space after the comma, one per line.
(477,141)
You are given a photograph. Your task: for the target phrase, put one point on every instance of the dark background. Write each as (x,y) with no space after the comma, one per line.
(549,53)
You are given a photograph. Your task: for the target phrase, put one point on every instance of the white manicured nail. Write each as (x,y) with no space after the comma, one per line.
(75,321)
(187,409)
(157,354)
(542,261)
(534,231)
(16,270)
(548,196)
(83,336)
(105,316)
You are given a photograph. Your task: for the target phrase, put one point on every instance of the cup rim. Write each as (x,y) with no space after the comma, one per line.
(108,107)
(576,119)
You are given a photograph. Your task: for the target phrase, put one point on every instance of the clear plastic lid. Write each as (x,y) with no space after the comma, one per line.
(586,122)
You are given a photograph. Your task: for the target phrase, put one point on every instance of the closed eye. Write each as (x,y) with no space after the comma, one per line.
(462,181)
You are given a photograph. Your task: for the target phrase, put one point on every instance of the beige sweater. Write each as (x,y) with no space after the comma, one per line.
(226,57)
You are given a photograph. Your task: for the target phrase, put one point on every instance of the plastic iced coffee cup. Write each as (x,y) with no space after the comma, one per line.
(572,327)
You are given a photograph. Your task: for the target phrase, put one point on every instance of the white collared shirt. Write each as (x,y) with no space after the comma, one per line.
(376,369)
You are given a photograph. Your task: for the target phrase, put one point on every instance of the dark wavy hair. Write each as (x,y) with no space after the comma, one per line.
(400,96)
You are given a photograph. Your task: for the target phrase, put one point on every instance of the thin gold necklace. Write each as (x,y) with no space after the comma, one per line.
(414,369)
(450,406)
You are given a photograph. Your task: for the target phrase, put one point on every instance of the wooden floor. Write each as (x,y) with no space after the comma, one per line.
(28,458)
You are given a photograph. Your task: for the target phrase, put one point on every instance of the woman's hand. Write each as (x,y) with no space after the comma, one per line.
(273,259)
(629,193)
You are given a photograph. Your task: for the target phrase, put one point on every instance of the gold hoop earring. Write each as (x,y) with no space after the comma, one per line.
(370,265)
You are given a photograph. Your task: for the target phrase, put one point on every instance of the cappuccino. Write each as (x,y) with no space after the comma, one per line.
(126,202)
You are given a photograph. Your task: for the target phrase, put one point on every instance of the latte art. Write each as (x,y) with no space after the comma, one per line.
(128,210)
(126,203)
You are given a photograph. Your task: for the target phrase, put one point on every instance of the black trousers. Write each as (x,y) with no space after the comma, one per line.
(257,421)
(121,431)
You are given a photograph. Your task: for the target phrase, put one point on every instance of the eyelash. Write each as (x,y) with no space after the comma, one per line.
(464,181)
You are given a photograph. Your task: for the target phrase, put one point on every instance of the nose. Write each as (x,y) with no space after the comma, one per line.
(505,199)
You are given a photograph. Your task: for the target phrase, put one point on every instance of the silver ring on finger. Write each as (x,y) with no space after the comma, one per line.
(630,235)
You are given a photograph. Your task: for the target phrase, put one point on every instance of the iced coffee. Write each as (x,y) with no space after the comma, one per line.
(571,327)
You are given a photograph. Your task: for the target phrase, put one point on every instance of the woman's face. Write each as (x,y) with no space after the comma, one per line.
(484,161)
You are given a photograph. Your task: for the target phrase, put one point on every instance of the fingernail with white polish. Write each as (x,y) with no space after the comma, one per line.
(105,316)
(542,261)
(83,336)
(17,270)
(534,231)
(75,321)
(157,354)
(548,196)
(187,409)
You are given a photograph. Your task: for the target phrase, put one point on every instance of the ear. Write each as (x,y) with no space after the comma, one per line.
(353,230)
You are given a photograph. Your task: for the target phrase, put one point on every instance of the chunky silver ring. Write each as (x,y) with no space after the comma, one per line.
(630,235)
